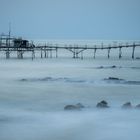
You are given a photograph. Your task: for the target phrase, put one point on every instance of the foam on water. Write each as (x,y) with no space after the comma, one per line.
(110,80)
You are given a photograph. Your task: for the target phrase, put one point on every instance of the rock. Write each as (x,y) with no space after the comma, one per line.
(113,66)
(137,106)
(113,78)
(101,67)
(71,107)
(23,79)
(137,57)
(78,106)
(127,105)
(102,104)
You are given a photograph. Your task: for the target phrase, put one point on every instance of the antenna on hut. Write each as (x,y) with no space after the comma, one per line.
(9,34)
(9,29)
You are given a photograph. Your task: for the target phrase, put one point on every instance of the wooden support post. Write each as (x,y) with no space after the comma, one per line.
(41,53)
(82,55)
(45,53)
(133,51)
(56,52)
(76,50)
(50,53)
(94,53)
(109,48)
(17,54)
(7,42)
(74,53)
(33,54)
(120,52)
(7,54)
(20,54)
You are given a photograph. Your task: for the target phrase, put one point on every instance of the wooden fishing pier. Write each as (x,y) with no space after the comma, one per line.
(19,46)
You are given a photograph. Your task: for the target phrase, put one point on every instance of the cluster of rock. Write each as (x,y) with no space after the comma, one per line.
(102,104)
(113,78)
(78,106)
(108,67)
(128,105)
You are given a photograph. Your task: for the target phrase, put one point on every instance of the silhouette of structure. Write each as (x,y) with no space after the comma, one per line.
(10,44)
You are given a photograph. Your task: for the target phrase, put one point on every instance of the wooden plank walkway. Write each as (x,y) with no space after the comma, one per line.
(79,49)
(45,50)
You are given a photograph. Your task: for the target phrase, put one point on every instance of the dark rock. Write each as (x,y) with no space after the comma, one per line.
(102,104)
(23,80)
(71,107)
(78,106)
(101,67)
(113,66)
(127,105)
(137,106)
(113,78)
(137,57)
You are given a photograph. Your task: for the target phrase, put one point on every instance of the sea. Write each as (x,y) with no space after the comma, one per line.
(33,94)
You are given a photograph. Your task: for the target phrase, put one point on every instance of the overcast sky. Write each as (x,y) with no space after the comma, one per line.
(72,19)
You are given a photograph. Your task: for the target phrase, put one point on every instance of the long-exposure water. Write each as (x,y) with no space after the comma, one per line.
(33,95)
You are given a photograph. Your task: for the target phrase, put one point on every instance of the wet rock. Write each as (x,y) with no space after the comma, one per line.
(107,67)
(137,57)
(102,104)
(78,106)
(113,66)
(101,67)
(23,80)
(70,107)
(113,78)
(127,105)
(137,106)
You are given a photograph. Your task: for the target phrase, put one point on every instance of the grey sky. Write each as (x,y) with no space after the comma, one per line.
(72,19)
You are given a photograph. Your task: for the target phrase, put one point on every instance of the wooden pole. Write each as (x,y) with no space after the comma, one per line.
(47,53)
(50,53)
(41,53)
(82,55)
(7,54)
(56,52)
(109,52)
(94,53)
(74,53)
(33,54)
(133,51)
(120,52)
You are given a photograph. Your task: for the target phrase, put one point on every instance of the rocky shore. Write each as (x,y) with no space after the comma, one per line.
(100,105)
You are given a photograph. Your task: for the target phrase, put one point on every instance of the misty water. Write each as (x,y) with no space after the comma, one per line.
(33,95)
